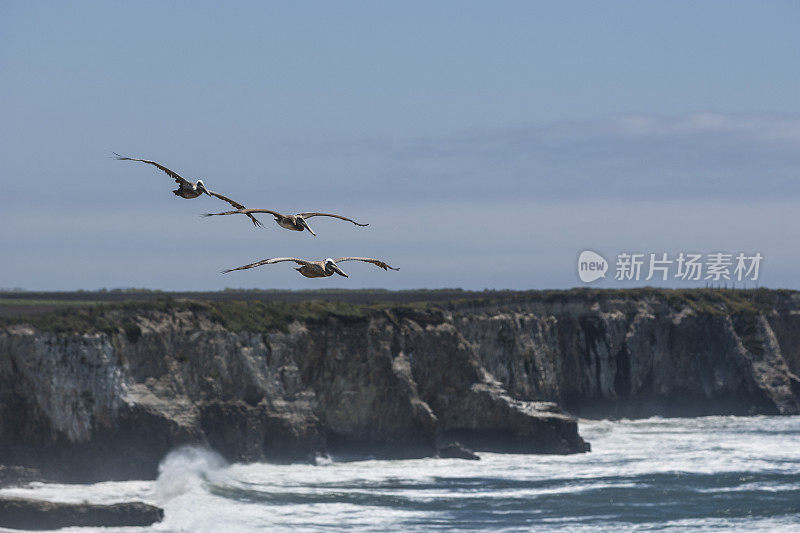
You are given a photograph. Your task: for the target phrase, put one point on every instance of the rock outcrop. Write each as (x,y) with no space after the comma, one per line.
(644,353)
(391,383)
(455,450)
(20,513)
(106,392)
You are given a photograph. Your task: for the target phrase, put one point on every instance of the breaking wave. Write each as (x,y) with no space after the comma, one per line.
(712,473)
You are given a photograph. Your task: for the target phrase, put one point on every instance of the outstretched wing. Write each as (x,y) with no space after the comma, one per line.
(248,211)
(268,262)
(172,174)
(309,215)
(237,205)
(375,262)
(243,212)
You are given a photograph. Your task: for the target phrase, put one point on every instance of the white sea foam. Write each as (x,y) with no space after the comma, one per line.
(642,475)
(323,460)
(186,470)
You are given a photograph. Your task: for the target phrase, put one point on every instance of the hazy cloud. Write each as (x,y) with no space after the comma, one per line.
(522,243)
(502,208)
(742,157)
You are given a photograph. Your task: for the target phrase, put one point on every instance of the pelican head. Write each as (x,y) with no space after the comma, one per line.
(330,265)
(303,223)
(202,187)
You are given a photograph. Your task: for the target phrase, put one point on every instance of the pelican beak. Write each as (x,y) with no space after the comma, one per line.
(305,225)
(339,271)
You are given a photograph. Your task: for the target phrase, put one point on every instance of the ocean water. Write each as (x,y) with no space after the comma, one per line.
(712,473)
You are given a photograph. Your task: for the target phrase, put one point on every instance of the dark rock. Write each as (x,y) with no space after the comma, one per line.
(11,475)
(634,354)
(456,451)
(19,513)
(390,382)
(245,433)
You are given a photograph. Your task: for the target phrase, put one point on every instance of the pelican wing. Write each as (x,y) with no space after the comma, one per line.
(269,262)
(375,262)
(172,174)
(309,215)
(243,212)
(237,205)
(248,211)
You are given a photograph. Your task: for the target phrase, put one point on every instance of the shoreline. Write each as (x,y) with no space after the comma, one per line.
(121,384)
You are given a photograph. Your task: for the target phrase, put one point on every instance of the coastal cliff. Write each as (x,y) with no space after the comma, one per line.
(106,391)
(644,353)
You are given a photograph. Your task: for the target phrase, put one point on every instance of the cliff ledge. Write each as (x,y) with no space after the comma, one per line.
(105,391)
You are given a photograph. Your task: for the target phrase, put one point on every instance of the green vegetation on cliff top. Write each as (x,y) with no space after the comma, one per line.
(261,316)
(252,316)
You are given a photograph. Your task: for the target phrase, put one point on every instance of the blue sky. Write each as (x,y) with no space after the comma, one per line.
(487,144)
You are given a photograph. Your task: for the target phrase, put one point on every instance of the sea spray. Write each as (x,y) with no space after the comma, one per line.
(713,473)
(186,470)
(323,459)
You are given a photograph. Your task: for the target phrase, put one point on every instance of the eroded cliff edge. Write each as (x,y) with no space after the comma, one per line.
(255,382)
(644,352)
(106,392)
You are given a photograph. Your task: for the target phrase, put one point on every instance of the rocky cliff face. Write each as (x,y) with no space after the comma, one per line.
(643,355)
(89,401)
(390,383)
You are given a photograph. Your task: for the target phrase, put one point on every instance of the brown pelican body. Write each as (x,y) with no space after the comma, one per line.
(193,190)
(293,222)
(316,269)
(187,189)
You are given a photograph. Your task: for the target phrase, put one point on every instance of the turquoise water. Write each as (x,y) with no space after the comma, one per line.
(713,473)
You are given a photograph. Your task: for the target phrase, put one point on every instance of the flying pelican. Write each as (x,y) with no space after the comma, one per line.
(316,269)
(293,222)
(187,189)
